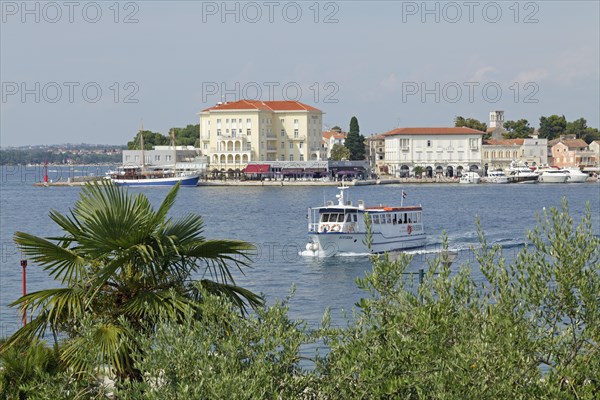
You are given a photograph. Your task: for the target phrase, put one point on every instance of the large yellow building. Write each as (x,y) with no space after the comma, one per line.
(236,133)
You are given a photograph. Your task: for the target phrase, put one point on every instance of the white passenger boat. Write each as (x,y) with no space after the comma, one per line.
(340,229)
(470,177)
(575,175)
(497,177)
(553,175)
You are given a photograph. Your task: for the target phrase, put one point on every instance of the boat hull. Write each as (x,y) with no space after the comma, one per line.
(577,178)
(553,178)
(334,243)
(191,180)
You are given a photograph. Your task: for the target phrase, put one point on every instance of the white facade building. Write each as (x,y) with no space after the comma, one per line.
(439,151)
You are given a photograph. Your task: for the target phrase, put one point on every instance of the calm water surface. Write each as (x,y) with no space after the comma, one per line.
(274,219)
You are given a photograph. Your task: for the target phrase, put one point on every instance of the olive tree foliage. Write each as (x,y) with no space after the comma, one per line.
(529,330)
(224,356)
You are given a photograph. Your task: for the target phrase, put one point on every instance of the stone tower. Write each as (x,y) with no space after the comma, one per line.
(496,119)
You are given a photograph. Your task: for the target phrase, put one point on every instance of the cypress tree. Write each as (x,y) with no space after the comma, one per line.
(355,142)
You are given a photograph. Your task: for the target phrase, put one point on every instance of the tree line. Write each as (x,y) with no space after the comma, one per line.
(188,136)
(551,127)
(41,156)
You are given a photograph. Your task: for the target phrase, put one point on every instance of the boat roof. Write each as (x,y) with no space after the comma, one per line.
(338,208)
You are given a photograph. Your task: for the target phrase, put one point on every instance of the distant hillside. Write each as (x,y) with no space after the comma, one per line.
(62,154)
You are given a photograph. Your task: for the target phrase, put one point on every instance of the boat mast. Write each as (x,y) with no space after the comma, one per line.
(174,152)
(142,145)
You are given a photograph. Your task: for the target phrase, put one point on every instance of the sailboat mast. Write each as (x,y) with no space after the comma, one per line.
(174,151)
(142,145)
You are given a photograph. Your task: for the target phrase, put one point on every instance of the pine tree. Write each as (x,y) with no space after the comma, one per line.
(355,142)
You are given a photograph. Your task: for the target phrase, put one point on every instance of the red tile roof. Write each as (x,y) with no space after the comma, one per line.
(335,134)
(574,143)
(286,105)
(434,131)
(504,142)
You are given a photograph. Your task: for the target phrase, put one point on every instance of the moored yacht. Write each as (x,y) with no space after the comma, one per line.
(341,228)
(522,174)
(497,177)
(575,175)
(553,175)
(470,177)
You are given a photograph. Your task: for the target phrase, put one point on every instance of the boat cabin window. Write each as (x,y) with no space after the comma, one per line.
(375,219)
(388,218)
(340,218)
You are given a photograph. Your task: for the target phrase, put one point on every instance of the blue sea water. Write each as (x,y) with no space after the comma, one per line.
(274,219)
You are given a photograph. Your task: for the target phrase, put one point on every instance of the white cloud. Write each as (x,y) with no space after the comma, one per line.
(480,74)
(534,75)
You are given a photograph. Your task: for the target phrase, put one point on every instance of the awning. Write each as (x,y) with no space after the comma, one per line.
(257,169)
(315,170)
(291,170)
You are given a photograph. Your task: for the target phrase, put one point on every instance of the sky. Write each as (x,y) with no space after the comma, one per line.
(93,72)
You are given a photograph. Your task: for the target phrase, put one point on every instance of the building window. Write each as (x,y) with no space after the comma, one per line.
(429,143)
(283,145)
(137,158)
(233,132)
(218,132)
(168,157)
(205,146)
(301,145)
(291,157)
(291,145)
(227,131)
(283,132)
(248,146)
(248,132)
(157,158)
(126,158)
(301,157)
(282,158)
(296,133)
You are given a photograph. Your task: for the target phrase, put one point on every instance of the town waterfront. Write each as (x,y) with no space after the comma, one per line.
(274,219)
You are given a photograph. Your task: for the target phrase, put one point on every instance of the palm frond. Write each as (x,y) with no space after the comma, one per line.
(239,296)
(165,207)
(62,263)
(56,305)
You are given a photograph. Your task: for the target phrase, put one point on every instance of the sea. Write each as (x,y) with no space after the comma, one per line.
(274,219)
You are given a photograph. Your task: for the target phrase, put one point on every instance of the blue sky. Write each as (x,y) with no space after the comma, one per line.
(389,63)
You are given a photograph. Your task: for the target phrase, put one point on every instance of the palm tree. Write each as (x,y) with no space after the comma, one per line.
(122,265)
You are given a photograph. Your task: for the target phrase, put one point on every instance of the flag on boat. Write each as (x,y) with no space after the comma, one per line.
(404,195)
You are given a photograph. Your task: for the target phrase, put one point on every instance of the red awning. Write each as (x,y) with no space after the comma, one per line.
(257,168)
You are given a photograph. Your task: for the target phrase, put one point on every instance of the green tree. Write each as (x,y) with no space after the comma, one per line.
(517,129)
(470,123)
(552,127)
(418,170)
(577,127)
(151,139)
(339,152)
(590,135)
(121,265)
(23,364)
(355,142)
(188,136)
